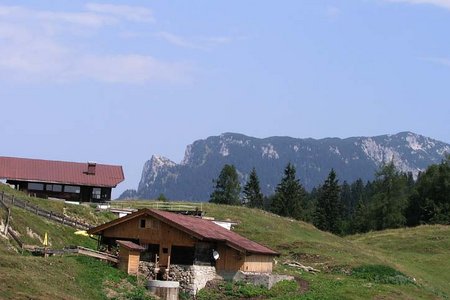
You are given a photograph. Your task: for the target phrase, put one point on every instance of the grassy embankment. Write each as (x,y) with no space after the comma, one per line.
(337,257)
(24,276)
(346,264)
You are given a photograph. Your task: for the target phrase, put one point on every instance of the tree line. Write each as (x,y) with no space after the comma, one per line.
(393,199)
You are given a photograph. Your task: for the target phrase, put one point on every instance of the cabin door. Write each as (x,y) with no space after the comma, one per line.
(164,255)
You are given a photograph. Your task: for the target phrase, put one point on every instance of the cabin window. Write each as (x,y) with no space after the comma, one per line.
(54,187)
(142,223)
(203,254)
(96,193)
(72,189)
(36,186)
(181,255)
(151,252)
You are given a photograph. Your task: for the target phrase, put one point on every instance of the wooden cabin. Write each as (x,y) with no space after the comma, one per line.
(87,182)
(170,238)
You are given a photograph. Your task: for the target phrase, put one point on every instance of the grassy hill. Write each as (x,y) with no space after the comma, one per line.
(422,252)
(357,267)
(24,276)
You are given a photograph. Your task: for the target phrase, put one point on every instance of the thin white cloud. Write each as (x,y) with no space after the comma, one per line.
(176,40)
(203,43)
(131,13)
(440,3)
(131,68)
(31,49)
(438,60)
(17,13)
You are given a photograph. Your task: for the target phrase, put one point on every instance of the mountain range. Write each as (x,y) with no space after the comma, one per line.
(351,158)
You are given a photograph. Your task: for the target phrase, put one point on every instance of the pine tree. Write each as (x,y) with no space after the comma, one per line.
(252,192)
(430,202)
(390,198)
(360,221)
(227,187)
(290,196)
(347,200)
(328,208)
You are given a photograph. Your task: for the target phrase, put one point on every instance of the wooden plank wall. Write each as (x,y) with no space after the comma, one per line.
(133,262)
(258,263)
(123,259)
(229,259)
(155,232)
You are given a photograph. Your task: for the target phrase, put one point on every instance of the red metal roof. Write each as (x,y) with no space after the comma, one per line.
(199,228)
(25,169)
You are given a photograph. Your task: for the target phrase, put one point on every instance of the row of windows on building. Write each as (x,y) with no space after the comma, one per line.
(33,186)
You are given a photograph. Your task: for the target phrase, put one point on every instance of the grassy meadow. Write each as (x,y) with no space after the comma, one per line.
(410,263)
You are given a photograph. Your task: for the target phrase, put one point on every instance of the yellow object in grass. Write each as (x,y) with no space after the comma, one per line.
(82,232)
(45,242)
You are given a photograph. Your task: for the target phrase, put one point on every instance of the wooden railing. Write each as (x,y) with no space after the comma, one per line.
(65,220)
(161,205)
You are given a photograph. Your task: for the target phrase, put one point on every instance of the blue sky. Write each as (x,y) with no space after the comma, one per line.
(116,82)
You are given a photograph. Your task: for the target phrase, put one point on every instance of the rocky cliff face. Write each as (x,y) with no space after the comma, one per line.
(352,158)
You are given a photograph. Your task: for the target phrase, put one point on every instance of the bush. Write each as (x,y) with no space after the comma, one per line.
(381,274)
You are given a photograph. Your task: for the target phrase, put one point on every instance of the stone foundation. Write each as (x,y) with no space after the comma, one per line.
(265,279)
(191,278)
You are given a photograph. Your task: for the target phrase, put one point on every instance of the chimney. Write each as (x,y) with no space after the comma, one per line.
(91,168)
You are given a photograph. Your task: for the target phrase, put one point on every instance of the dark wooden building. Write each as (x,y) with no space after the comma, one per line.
(86,182)
(170,238)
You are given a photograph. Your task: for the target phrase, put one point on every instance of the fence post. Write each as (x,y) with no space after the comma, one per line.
(5,232)
(12,200)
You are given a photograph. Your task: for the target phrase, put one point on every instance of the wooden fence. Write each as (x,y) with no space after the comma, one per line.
(161,205)
(65,220)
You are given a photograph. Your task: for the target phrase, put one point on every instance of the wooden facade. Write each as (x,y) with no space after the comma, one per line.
(167,242)
(68,192)
(232,260)
(156,237)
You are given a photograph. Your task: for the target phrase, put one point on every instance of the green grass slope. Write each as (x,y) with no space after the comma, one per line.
(421,252)
(66,277)
(24,276)
(371,266)
(336,257)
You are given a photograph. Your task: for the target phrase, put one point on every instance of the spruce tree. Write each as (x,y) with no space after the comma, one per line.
(252,192)
(227,187)
(290,196)
(390,198)
(328,208)
(430,202)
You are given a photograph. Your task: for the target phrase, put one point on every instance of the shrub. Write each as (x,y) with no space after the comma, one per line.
(381,274)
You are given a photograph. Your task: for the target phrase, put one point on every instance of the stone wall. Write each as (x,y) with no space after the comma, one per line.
(191,278)
(202,274)
(265,279)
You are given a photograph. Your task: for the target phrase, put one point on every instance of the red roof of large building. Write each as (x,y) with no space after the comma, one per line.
(38,170)
(199,228)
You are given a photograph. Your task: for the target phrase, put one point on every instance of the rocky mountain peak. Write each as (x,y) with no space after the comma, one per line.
(352,158)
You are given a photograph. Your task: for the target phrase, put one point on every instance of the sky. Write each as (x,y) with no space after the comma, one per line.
(116,82)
